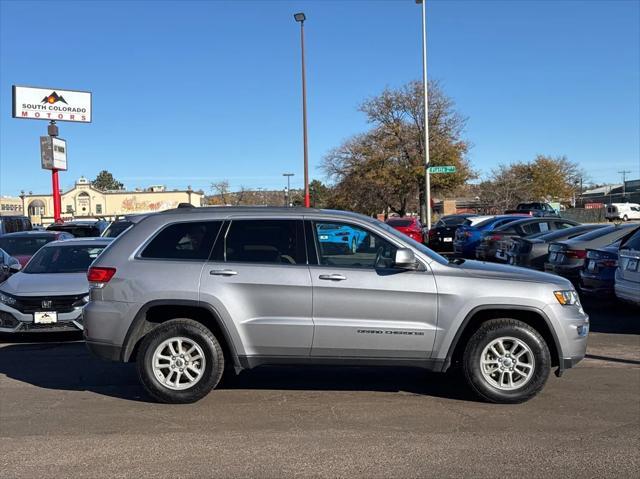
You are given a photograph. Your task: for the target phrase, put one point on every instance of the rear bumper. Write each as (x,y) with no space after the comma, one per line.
(107,351)
(568,271)
(627,291)
(592,285)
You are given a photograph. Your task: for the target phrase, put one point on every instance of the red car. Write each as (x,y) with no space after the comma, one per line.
(408,225)
(24,244)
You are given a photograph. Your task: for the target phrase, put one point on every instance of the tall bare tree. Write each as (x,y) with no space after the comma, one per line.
(384,167)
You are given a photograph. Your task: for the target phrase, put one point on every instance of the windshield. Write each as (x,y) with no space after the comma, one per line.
(399,222)
(79,231)
(24,246)
(63,259)
(116,228)
(455,220)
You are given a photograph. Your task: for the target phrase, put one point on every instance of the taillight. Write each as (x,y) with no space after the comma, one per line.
(609,263)
(100,275)
(576,253)
(495,237)
(467,234)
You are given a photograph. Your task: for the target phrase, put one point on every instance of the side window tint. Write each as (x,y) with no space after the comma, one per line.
(533,228)
(633,242)
(562,226)
(192,240)
(352,247)
(265,241)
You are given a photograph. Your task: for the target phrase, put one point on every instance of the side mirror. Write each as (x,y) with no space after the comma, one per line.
(405,259)
(14,267)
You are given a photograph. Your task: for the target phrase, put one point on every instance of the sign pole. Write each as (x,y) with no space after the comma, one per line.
(427,178)
(52,129)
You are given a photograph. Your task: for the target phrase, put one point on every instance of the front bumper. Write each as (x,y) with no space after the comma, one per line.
(571,326)
(14,321)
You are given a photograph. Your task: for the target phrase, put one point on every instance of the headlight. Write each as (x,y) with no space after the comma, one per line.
(6,299)
(567,297)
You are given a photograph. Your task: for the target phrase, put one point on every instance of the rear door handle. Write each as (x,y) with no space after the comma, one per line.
(222,272)
(332,277)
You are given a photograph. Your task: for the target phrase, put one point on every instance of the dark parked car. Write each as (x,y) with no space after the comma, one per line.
(627,276)
(469,235)
(597,276)
(24,245)
(534,209)
(440,236)
(14,224)
(8,265)
(532,251)
(566,258)
(408,225)
(81,229)
(494,244)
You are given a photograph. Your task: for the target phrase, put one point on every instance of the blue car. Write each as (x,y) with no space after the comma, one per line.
(337,238)
(469,236)
(597,277)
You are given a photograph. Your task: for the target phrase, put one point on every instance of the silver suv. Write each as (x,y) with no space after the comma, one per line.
(191,293)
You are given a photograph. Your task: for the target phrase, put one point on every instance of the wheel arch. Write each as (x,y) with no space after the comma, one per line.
(531,316)
(157,312)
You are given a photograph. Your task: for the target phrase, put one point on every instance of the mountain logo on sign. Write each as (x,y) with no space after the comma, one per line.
(52,98)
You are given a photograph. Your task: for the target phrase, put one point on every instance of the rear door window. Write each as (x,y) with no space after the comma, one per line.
(184,241)
(263,241)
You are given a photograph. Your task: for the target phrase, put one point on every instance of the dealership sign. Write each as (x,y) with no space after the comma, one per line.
(53,153)
(51,104)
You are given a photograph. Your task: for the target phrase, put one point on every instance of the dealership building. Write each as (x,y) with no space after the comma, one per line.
(83,201)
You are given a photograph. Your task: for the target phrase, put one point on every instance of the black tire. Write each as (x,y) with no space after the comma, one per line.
(506,328)
(214,361)
(625,218)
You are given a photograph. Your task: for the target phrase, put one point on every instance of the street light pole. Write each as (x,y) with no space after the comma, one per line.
(288,175)
(300,17)
(427,179)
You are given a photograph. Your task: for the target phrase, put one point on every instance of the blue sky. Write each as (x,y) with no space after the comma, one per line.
(190,92)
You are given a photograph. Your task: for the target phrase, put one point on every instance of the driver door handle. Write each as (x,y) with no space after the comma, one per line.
(222,272)
(333,277)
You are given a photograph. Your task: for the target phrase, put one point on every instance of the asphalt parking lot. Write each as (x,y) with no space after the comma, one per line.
(65,414)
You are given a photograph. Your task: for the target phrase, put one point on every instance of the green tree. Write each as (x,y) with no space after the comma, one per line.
(384,167)
(546,178)
(105,181)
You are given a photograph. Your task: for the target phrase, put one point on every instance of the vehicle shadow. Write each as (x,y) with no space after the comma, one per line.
(63,362)
(351,378)
(53,364)
(608,315)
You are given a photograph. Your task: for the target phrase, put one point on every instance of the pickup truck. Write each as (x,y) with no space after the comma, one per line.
(534,209)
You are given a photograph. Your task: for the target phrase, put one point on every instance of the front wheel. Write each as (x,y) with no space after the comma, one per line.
(506,361)
(180,362)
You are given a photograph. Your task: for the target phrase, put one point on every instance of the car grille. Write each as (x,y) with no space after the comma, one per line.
(59,304)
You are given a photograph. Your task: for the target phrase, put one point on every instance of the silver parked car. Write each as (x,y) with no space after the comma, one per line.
(188,293)
(51,290)
(627,279)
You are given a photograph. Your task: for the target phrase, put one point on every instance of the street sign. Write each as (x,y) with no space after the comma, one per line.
(53,153)
(442,169)
(33,103)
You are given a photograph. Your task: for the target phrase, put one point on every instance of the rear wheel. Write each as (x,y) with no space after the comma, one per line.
(625,218)
(506,361)
(180,361)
